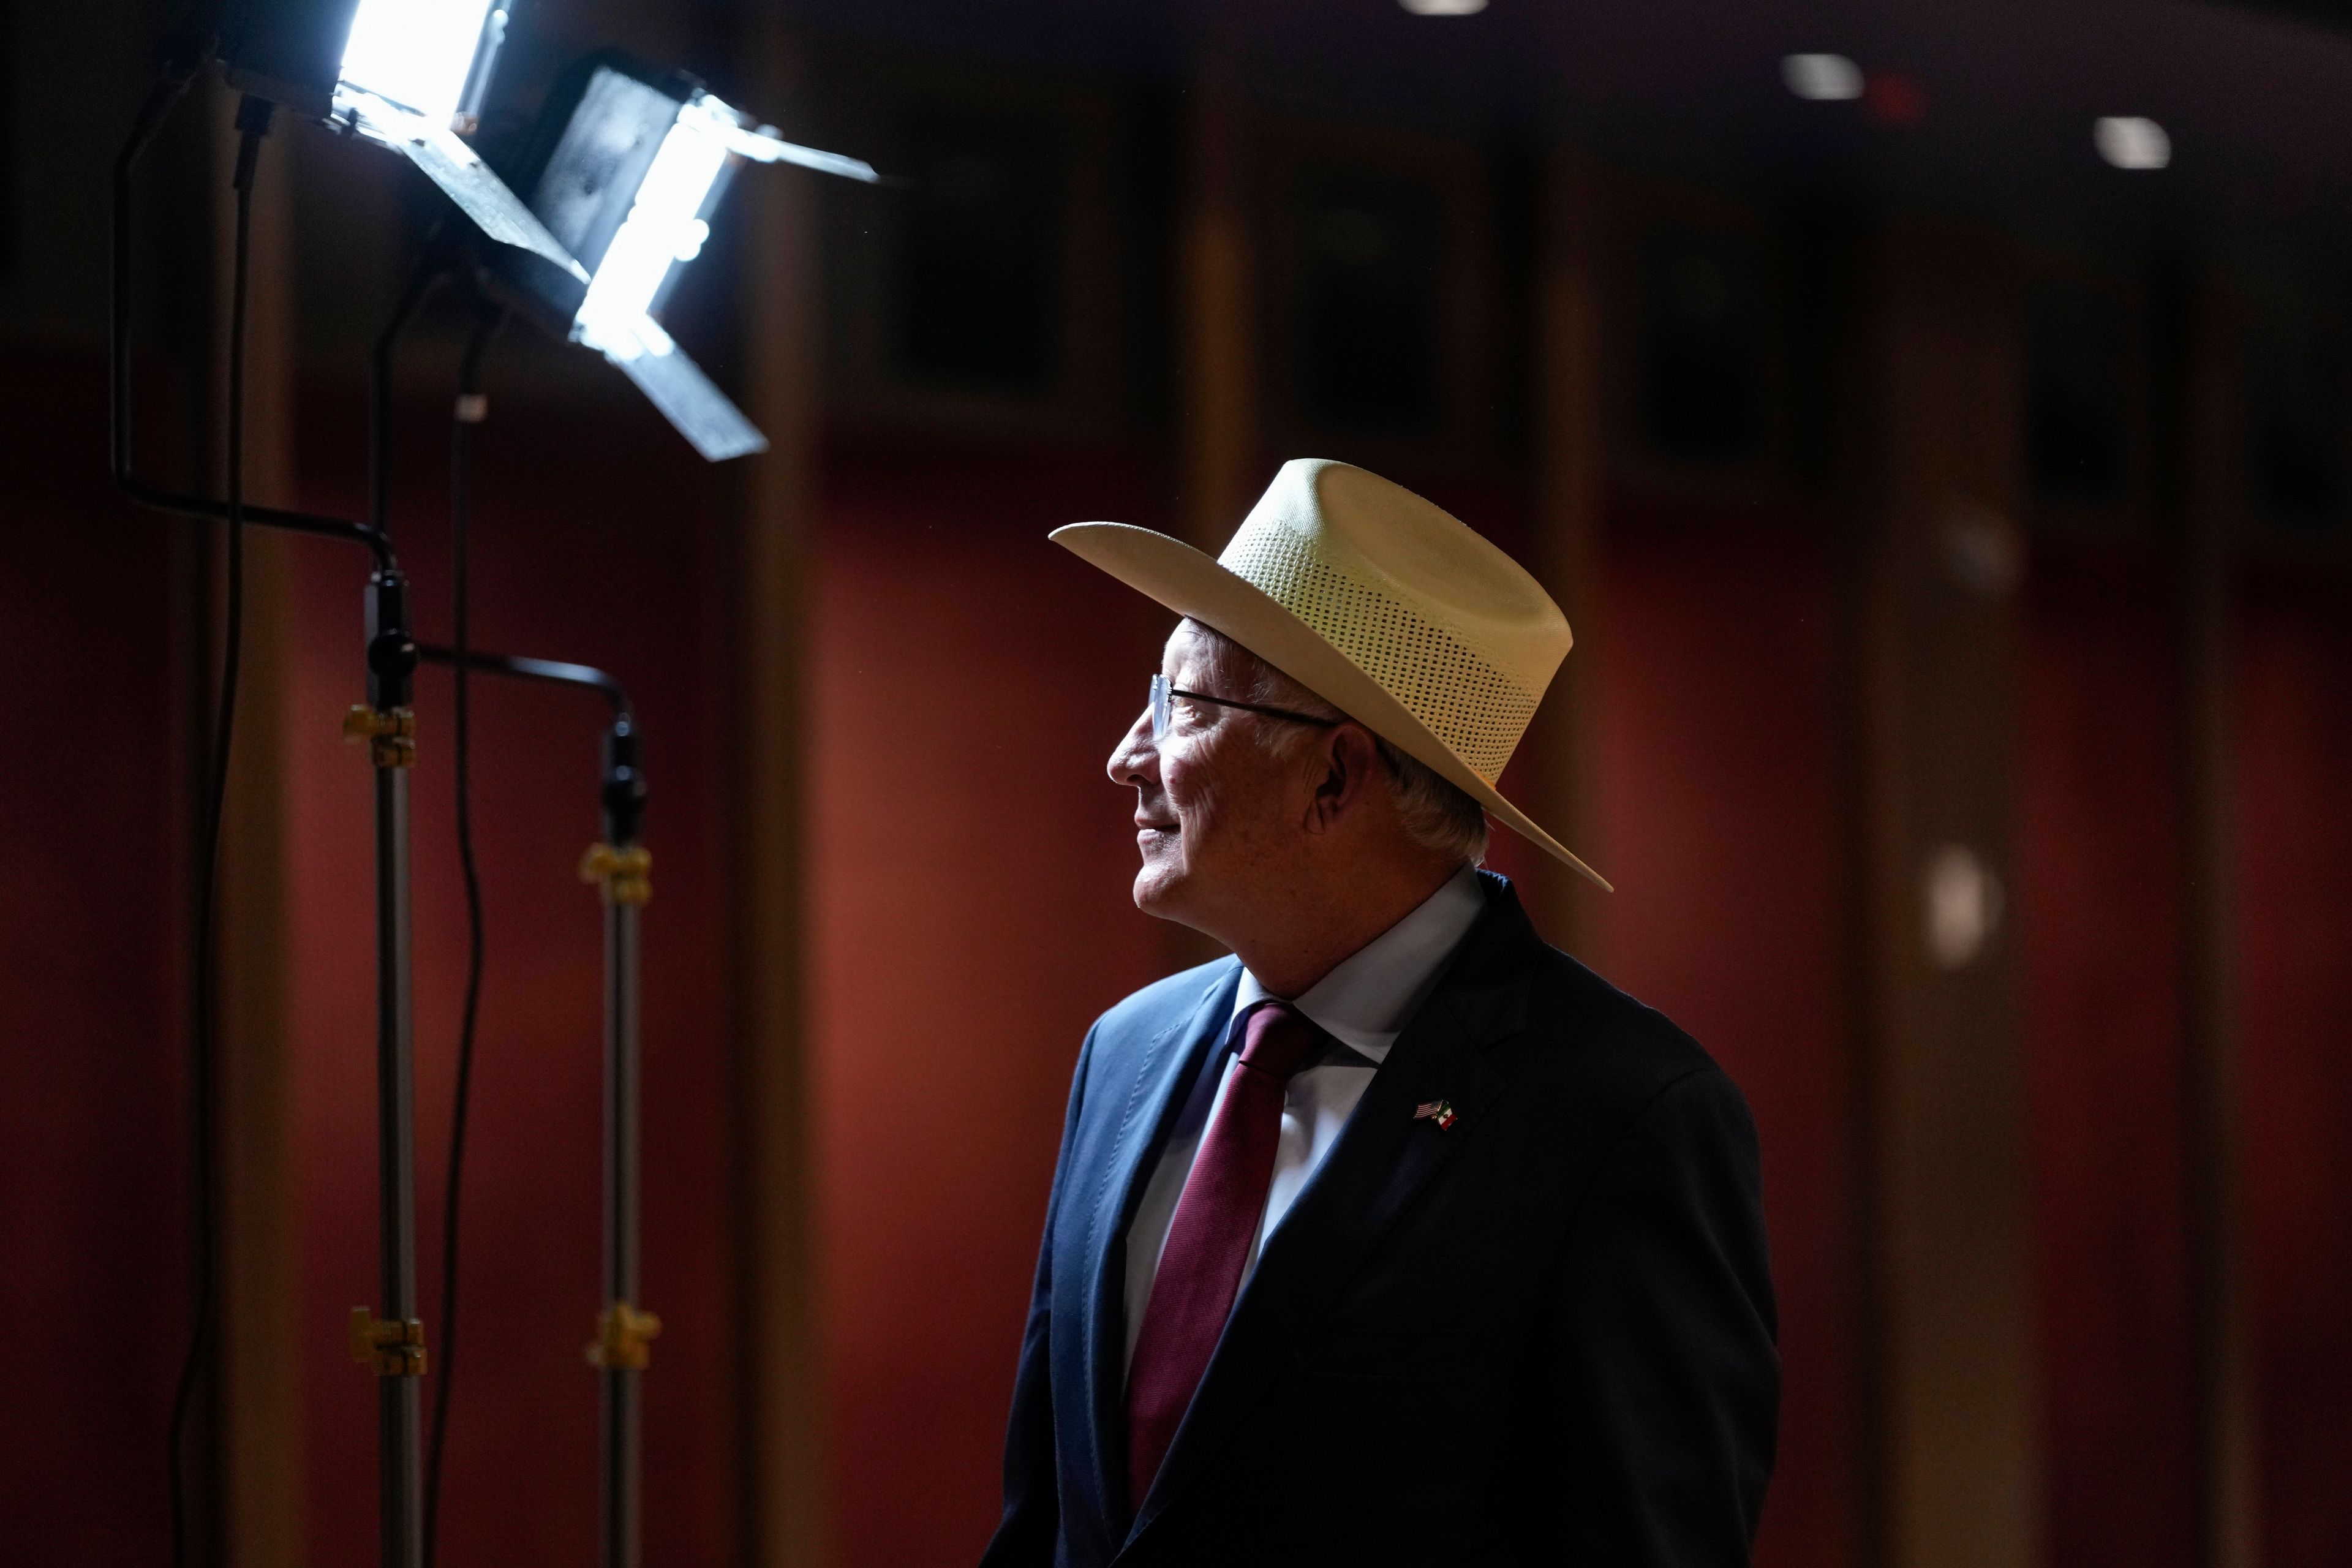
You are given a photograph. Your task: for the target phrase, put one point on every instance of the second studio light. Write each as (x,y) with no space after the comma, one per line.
(408,74)
(626,171)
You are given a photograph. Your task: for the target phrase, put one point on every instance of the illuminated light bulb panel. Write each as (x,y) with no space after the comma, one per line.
(628,169)
(407,74)
(417,55)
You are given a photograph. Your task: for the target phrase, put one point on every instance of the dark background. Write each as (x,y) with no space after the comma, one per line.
(1012,340)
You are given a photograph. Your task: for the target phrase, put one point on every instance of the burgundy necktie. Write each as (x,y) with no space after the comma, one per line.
(1209,1239)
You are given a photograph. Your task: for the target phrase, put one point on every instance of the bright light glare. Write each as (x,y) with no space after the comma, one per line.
(665,226)
(2130,142)
(1821,78)
(1444,7)
(1963,898)
(633,339)
(416,53)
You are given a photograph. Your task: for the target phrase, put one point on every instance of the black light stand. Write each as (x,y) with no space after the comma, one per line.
(622,868)
(394,1346)
(179,60)
(621,865)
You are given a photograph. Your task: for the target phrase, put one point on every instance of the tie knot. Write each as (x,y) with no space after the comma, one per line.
(1277,1041)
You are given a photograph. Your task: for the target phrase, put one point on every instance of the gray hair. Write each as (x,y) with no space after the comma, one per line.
(1435,814)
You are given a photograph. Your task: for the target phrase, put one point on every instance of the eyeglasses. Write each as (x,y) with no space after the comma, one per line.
(1163,692)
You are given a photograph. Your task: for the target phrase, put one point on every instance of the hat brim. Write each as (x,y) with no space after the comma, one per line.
(1193,584)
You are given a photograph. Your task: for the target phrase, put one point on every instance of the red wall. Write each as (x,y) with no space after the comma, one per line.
(599,538)
(970,864)
(1712,656)
(93,1193)
(970,868)
(2294,994)
(2100,917)
(2103,917)
(962,951)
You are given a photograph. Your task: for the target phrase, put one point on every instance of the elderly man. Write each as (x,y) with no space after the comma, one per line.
(1398,1237)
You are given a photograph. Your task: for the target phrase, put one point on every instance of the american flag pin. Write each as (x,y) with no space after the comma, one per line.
(1438,1111)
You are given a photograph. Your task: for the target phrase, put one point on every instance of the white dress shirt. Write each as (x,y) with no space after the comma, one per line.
(1363,1004)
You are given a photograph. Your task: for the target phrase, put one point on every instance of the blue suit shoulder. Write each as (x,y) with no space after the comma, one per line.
(1576,1010)
(1142,1015)
(1587,1045)
(1571,1021)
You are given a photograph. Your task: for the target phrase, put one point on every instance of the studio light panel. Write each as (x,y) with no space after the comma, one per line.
(423,56)
(630,166)
(407,74)
(627,167)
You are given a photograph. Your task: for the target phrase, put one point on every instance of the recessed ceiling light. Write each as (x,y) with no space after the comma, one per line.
(2130,142)
(1821,78)
(1444,7)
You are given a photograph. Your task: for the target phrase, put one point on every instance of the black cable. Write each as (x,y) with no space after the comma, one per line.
(429,270)
(252,124)
(180,60)
(468,413)
(550,672)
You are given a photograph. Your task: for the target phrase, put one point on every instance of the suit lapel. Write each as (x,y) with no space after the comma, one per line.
(1169,1065)
(1382,1160)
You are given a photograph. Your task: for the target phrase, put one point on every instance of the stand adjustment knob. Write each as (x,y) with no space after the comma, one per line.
(624,1336)
(393,1347)
(626,873)
(391,736)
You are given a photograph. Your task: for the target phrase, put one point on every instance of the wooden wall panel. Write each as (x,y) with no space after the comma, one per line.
(781,1494)
(2292,697)
(2102,885)
(2208,483)
(260,1451)
(1715,790)
(1571,485)
(94,1168)
(1944,1183)
(1221,466)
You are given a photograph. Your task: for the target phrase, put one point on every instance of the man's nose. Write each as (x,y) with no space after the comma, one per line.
(1134,760)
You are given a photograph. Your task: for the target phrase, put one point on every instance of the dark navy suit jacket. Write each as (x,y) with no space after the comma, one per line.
(1542,1335)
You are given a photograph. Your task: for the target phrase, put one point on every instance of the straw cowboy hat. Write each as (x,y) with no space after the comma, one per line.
(1389,609)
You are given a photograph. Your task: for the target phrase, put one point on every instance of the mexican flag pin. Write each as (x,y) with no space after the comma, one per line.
(1438,1111)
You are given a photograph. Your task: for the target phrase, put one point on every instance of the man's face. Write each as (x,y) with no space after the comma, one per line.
(1215,817)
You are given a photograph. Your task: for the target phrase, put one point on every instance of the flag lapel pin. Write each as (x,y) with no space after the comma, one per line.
(1438,1111)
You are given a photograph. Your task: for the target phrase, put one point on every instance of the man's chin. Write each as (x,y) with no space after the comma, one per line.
(1159,890)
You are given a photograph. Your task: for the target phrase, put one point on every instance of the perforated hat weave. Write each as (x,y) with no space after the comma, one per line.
(1464,699)
(1386,606)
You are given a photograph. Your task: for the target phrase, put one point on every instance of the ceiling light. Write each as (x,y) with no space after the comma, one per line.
(628,169)
(2129,141)
(1444,7)
(1821,78)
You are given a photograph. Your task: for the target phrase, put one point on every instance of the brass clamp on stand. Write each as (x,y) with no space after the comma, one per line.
(391,737)
(625,1337)
(394,1347)
(626,873)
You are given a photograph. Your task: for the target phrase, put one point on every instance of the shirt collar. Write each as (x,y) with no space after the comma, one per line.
(1366,1002)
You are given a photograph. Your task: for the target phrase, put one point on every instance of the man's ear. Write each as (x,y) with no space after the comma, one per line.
(1347,762)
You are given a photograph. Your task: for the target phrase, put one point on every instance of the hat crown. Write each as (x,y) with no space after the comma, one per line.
(1454,628)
